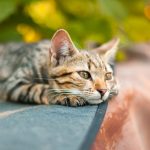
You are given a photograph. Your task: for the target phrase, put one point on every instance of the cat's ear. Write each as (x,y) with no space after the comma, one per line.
(62,47)
(108,50)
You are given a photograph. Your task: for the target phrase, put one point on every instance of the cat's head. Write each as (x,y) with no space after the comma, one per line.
(87,74)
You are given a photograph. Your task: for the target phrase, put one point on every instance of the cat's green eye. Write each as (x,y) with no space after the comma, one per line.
(84,74)
(108,76)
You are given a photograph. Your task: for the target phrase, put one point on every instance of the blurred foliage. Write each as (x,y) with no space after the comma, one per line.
(86,21)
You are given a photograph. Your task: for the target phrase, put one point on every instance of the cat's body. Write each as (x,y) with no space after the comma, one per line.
(26,63)
(12,57)
(54,73)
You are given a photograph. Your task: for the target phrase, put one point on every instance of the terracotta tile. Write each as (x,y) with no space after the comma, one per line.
(126,125)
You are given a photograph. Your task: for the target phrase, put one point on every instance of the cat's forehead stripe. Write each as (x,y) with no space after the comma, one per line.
(99,60)
(94,60)
(93,63)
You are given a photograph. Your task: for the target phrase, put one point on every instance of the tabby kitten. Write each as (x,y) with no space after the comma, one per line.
(57,73)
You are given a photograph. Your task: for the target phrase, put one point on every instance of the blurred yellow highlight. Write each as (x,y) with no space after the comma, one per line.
(28,33)
(46,14)
(147,11)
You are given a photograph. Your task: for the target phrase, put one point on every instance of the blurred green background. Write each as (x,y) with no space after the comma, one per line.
(85,20)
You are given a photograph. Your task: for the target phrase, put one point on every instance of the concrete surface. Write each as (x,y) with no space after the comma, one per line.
(39,127)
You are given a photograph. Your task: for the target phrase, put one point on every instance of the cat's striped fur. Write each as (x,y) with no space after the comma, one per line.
(54,72)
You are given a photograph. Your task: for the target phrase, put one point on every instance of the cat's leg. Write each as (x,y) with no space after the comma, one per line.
(23,91)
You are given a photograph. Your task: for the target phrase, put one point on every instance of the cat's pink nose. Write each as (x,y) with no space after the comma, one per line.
(102,91)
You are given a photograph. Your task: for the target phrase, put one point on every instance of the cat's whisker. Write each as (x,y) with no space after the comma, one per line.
(69,90)
(61,91)
(81,93)
(58,89)
(64,92)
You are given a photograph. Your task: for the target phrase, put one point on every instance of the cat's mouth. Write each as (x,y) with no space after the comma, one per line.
(99,99)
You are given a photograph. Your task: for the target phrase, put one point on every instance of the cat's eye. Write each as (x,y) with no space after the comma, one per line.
(84,74)
(108,76)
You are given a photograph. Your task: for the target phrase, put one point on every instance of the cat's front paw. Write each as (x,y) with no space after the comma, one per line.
(70,100)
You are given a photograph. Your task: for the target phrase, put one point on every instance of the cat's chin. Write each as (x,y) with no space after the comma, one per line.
(106,96)
(95,101)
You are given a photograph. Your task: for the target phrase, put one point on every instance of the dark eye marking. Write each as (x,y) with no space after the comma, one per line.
(89,66)
(65,74)
(62,75)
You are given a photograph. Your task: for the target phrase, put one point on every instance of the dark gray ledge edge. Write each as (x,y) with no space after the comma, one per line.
(94,127)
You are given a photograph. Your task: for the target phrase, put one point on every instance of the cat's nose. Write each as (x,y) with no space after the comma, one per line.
(102,91)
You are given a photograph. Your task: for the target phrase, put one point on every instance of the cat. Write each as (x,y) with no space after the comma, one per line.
(56,72)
